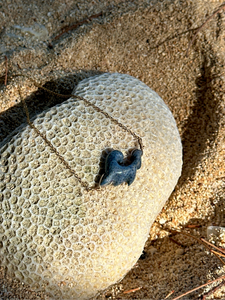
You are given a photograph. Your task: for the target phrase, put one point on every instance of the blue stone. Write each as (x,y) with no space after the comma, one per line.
(116,172)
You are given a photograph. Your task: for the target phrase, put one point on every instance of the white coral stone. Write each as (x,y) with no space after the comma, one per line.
(54,235)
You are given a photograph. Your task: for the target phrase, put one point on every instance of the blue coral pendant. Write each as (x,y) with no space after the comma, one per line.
(117,172)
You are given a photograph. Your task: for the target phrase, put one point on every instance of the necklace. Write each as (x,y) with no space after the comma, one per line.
(116,170)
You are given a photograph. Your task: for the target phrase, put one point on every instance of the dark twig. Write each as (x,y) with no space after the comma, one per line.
(203,297)
(6,69)
(215,252)
(206,244)
(199,287)
(210,244)
(74,26)
(201,241)
(175,242)
(222,6)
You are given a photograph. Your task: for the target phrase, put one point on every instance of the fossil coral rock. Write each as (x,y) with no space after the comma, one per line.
(58,237)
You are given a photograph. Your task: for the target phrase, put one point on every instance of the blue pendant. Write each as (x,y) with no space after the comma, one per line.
(116,172)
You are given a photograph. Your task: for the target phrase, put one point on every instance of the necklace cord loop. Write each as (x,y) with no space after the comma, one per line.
(88,103)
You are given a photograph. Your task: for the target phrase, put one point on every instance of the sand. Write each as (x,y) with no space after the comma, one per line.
(148,40)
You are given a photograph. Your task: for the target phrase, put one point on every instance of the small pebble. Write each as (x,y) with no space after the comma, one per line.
(152,250)
(179,251)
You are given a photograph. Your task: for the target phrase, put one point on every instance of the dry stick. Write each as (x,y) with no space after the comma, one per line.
(215,252)
(199,287)
(175,242)
(170,293)
(222,6)
(205,243)
(132,290)
(192,226)
(197,239)
(6,69)
(212,291)
(217,248)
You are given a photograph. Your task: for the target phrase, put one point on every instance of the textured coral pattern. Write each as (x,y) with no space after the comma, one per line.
(55,235)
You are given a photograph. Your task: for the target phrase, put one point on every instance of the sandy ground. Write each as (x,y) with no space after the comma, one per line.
(148,40)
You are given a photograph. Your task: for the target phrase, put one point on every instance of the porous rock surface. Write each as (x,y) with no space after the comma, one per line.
(55,235)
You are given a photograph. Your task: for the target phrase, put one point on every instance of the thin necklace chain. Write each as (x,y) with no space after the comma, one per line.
(87,103)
